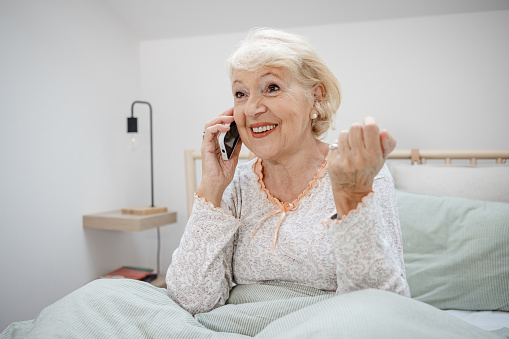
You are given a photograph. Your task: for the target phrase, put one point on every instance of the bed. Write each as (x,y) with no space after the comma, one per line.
(454,216)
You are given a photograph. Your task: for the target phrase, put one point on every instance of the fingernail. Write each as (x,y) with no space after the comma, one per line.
(369,120)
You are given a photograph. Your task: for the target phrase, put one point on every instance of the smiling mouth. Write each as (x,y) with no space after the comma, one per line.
(263,128)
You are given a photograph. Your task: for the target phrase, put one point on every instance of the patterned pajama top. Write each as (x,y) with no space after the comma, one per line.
(255,238)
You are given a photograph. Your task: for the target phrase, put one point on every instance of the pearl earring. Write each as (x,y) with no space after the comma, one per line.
(314,116)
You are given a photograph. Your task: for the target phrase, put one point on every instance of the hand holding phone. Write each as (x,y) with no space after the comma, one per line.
(217,173)
(228,141)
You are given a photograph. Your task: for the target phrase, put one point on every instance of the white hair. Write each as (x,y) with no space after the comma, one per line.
(266,47)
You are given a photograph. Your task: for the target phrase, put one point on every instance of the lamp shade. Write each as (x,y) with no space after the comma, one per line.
(132,125)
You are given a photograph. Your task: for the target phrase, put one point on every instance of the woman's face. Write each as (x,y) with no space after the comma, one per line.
(272,112)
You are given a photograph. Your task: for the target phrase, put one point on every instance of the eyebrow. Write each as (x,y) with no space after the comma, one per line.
(261,76)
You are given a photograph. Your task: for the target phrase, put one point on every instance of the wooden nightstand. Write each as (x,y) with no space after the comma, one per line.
(118,221)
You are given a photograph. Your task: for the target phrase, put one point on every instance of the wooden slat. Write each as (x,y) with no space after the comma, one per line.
(452,154)
(190,158)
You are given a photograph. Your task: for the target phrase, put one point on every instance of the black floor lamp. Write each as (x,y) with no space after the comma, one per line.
(132,127)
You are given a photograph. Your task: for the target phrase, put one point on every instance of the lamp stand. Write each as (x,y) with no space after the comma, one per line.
(132,127)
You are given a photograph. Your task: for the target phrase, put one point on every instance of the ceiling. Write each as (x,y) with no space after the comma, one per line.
(167,19)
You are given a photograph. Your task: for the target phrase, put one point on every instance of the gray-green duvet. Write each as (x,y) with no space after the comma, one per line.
(132,309)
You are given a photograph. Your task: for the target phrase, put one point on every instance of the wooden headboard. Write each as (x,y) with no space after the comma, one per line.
(416,156)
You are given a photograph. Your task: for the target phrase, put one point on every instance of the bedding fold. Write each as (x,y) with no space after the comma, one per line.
(123,308)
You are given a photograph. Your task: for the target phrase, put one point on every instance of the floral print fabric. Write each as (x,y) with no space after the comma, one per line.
(220,246)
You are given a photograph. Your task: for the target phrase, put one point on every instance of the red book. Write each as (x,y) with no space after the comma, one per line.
(137,273)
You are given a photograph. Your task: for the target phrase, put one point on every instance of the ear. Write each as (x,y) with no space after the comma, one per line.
(317,91)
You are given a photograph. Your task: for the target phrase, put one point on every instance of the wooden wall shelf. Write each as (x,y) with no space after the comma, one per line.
(117,221)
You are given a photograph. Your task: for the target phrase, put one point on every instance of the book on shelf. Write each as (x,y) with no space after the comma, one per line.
(131,272)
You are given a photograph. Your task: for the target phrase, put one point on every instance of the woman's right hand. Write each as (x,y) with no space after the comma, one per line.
(359,155)
(217,173)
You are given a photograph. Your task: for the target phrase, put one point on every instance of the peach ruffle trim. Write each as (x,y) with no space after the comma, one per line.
(214,208)
(362,203)
(258,170)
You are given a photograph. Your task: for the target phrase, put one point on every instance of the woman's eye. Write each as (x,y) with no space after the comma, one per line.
(239,94)
(272,88)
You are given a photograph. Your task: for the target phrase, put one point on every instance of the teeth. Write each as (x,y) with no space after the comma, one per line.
(263,128)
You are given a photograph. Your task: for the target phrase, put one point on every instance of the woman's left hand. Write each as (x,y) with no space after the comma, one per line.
(353,165)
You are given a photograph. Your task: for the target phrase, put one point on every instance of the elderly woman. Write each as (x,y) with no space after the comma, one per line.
(303,211)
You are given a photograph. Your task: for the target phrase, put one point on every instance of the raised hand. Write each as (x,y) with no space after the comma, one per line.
(216,172)
(360,154)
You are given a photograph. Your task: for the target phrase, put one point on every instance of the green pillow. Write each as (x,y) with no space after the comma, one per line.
(456,251)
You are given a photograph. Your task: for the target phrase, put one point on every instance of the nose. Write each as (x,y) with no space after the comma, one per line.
(255,106)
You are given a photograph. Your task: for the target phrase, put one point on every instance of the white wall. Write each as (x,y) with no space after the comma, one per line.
(69,71)
(434,82)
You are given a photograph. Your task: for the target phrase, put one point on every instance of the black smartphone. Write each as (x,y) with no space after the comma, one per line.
(228,141)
